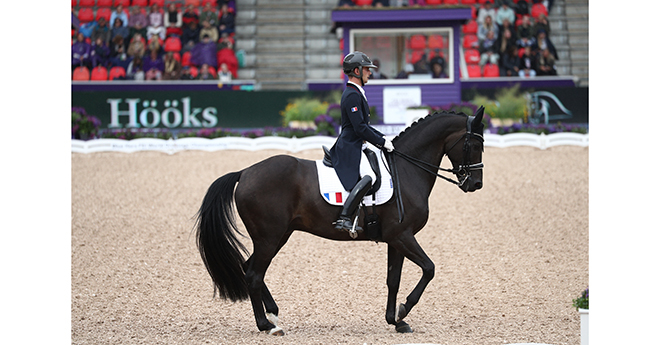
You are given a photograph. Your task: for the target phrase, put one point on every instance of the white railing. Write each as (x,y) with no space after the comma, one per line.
(295,145)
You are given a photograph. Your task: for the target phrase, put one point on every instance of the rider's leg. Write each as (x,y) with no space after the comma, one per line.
(345,221)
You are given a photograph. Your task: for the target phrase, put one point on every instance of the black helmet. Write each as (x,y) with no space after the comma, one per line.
(356,59)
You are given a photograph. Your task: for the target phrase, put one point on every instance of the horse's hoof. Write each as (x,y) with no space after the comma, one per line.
(272,318)
(403,327)
(276,331)
(400,312)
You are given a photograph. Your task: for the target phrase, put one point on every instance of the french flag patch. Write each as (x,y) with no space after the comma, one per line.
(334,197)
(354,109)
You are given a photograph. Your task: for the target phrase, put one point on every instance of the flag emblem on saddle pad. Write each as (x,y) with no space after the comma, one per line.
(354,109)
(334,197)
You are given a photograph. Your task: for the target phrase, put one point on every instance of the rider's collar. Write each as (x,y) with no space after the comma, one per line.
(359,88)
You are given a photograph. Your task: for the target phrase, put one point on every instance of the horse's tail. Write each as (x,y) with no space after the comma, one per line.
(221,251)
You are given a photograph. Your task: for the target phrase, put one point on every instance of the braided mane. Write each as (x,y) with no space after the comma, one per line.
(426,119)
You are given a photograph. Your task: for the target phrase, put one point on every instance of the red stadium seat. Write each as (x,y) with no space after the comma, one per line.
(141,3)
(194,72)
(185,58)
(474,71)
(80,74)
(491,70)
(415,56)
(74,3)
(213,71)
(434,2)
(99,73)
(214,3)
(104,3)
(172,44)
(195,3)
(363,2)
(116,72)
(417,42)
(125,3)
(104,12)
(87,3)
(468,2)
(160,3)
(436,42)
(470,41)
(471,27)
(537,9)
(450,2)
(177,56)
(86,15)
(472,56)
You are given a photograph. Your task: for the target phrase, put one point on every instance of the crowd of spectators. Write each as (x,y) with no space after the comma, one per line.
(154,40)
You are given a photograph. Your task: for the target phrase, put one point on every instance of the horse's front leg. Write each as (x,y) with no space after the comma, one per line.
(394,265)
(406,245)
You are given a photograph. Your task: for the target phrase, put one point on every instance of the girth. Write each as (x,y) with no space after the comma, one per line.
(373,162)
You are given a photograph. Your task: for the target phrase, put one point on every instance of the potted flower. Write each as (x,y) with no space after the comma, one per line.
(582,305)
(83,126)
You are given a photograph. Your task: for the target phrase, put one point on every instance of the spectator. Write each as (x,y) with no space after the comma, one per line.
(135,70)
(509,62)
(173,20)
(505,42)
(137,29)
(421,66)
(116,45)
(437,70)
(488,50)
(542,42)
(541,23)
(485,11)
(226,54)
(204,73)
(80,53)
(226,20)
(546,63)
(407,70)
(153,66)
(87,28)
(209,30)
(224,75)
(101,31)
(204,52)
(190,15)
(137,46)
(172,69)
(522,8)
(525,35)
(154,43)
(381,3)
(439,59)
(186,74)
(190,36)
(486,27)
(375,72)
(100,53)
(137,17)
(119,30)
(507,25)
(155,20)
(209,14)
(505,12)
(528,64)
(120,58)
(119,13)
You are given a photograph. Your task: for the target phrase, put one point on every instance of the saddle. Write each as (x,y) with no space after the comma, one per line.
(373,162)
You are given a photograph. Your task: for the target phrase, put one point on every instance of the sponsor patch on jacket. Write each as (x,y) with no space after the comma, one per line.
(354,109)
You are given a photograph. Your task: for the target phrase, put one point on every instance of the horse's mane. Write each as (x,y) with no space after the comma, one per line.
(427,119)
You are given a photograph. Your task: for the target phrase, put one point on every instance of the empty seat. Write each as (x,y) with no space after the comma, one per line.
(472,56)
(116,72)
(471,27)
(434,2)
(468,2)
(80,73)
(195,3)
(87,3)
(104,12)
(99,73)
(125,3)
(470,41)
(436,42)
(185,58)
(474,71)
(160,3)
(363,2)
(194,71)
(104,3)
(537,9)
(86,15)
(141,3)
(450,2)
(417,42)
(491,70)
(172,44)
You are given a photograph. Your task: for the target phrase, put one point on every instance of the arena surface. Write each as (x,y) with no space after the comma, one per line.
(509,258)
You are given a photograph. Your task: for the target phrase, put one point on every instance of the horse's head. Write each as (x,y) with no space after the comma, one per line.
(465,154)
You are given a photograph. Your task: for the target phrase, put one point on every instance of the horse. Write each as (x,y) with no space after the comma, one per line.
(279,195)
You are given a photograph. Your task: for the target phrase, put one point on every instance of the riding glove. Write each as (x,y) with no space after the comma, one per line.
(388,145)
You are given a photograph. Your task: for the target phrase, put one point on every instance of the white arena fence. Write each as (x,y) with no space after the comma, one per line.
(171,146)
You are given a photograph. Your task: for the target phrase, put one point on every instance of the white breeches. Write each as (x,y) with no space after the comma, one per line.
(365,167)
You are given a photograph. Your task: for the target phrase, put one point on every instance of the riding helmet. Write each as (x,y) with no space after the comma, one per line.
(356,59)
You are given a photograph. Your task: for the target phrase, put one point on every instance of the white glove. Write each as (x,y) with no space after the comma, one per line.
(388,145)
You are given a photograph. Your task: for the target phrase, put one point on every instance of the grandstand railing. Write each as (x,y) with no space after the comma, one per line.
(171,146)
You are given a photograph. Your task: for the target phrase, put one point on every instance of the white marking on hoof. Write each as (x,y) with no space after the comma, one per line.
(272,318)
(276,331)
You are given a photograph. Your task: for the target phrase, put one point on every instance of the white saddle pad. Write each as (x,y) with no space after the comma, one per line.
(333,192)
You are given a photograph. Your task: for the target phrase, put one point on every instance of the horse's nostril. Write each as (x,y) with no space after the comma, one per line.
(478,185)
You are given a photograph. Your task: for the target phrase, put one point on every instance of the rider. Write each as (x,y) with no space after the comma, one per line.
(348,159)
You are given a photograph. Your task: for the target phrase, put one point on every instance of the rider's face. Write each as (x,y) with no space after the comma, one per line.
(366,73)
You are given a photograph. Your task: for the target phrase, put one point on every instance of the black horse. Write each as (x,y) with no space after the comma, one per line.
(280,194)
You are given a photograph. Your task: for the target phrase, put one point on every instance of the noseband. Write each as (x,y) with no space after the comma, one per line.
(464,170)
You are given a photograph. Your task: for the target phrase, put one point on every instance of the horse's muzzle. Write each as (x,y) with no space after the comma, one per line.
(471,184)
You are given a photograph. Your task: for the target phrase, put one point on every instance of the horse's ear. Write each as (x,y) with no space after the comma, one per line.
(478,117)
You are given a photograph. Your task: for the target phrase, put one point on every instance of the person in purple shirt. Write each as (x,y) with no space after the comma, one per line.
(153,66)
(100,53)
(205,52)
(80,53)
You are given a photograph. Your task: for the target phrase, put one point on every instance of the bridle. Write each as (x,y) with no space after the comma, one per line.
(464,171)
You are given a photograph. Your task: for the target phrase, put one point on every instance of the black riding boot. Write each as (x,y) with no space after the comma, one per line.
(345,221)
